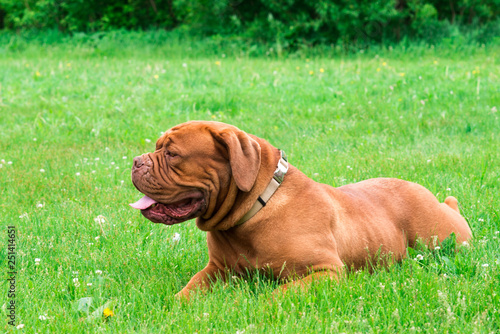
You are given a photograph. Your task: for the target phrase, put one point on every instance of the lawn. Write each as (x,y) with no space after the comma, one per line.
(73,118)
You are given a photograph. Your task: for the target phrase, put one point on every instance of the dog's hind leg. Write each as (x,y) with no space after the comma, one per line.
(452,220)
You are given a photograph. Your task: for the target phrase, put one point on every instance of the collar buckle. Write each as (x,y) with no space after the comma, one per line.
(282,168)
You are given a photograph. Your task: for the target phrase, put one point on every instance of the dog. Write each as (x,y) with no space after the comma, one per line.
(262,213)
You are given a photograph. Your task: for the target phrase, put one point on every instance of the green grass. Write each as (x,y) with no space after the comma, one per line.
(425,115)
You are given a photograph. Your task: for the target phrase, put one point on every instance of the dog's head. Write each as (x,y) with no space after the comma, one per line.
(193,169)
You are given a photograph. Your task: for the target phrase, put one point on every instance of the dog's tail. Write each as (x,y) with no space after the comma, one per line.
(452,203)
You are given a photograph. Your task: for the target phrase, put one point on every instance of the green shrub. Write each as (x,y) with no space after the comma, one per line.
(286,24)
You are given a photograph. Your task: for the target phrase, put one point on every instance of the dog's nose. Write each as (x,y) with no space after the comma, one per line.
(138,162)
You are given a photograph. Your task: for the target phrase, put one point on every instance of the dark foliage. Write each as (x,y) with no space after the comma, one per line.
(287,23)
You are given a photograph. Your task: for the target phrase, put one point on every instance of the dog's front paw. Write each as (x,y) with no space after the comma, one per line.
(182,295)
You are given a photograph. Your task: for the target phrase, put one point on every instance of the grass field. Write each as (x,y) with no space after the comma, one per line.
(72,119)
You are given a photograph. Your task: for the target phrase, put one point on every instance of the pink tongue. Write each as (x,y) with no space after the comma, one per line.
(143,203)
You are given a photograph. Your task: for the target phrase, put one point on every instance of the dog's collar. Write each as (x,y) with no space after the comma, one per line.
(271,188)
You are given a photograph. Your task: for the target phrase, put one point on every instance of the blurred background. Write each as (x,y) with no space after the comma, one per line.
(284,25)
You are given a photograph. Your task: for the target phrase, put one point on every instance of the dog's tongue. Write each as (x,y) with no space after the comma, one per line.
(143,203)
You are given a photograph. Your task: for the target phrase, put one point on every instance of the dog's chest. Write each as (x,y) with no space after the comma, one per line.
(243,254)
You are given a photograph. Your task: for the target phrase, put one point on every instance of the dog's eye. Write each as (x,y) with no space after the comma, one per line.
(170,154)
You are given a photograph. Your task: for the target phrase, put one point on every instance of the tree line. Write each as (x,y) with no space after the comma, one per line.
(287,23)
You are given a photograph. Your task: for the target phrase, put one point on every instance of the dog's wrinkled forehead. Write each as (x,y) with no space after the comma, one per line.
(194,134)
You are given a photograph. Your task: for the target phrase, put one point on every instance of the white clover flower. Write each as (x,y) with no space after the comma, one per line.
(419,257)
(465,244)
(42,317)
(176,237)
(37,261)
(76,282)
(77,173)
(112,162)
(97,238)
(100,219)
(437,248)
(497,232)
(42,170)
(24,215)
(40,205)
(96,159)
(147,140)
(485,265)
(184,65)
(21,326)
(89,284)
(9,162)
(98,272)
(124,157)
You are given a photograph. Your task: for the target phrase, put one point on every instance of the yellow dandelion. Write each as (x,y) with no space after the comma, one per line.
(307,60)
(27,65)
(435,62)
(321,70)
(311,72)
(38,74)
(68,64)
(156,76)
(384,64)
(402,74)
(108,312)
(217,63)
(213,116)
(298,68)
(378,69)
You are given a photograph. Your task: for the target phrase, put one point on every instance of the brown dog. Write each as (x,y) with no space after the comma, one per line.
(262,213)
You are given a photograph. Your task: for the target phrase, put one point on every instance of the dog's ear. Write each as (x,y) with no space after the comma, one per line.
(244,156)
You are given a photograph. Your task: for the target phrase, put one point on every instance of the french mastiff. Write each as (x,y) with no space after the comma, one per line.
(262,213)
